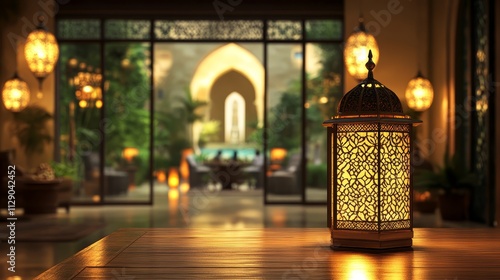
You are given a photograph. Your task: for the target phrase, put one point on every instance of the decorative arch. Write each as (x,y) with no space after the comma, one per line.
(230,57)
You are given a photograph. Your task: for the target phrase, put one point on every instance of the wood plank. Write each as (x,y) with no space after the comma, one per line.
(280,254)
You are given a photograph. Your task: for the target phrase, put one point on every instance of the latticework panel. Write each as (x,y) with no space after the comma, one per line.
(394,176)
(284,30)
(127,29)
(324,29)
(78,29)
(357,177)
(209,29)
(357,127)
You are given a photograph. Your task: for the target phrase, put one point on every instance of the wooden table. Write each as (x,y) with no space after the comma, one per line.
(228,172)
(279,254)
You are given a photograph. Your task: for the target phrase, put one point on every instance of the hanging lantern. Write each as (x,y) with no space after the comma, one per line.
(419,93)
(41,52)
(15,94)
(356,50)
(88,88)
(370,178)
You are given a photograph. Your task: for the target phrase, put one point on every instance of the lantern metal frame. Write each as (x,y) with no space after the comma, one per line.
(370,187)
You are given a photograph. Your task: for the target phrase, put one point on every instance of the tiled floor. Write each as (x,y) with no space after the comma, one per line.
(227,209)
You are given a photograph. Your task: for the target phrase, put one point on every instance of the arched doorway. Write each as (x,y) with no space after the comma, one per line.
(229,88)
(214,73)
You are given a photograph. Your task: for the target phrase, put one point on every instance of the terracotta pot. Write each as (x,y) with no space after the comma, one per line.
(454,206)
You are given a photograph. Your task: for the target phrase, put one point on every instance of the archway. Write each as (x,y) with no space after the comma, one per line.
(228,58)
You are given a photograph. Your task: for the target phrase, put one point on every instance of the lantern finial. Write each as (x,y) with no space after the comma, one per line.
(370,65)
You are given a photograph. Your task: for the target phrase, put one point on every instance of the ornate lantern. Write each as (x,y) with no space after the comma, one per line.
(41,52)
(356,49)
(15,94)
(419,93)
(370,178)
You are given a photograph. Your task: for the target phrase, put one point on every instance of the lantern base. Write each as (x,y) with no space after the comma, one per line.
(393,240)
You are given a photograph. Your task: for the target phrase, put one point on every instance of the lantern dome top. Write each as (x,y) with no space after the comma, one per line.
(370,97)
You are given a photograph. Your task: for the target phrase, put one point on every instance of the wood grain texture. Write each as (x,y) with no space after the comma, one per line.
(279,254)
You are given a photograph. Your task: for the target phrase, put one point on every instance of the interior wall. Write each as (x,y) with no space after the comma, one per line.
(412,35)
(17,31)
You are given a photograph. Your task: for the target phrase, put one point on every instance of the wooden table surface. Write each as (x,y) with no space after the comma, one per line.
(286,253)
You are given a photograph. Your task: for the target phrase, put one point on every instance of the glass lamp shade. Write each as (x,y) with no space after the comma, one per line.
(356,49)
(41,52)
(419,93)
(15,94)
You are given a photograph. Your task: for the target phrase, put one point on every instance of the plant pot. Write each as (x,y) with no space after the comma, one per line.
(40,197)
(454,206)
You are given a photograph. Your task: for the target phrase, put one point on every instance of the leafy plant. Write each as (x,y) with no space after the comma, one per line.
(65,170)
(31,129)
(451,177)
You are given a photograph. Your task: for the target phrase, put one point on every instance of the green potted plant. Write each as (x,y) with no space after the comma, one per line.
(454,184)
(39,187)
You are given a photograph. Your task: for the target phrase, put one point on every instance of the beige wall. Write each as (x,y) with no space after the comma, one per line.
(26,21)
(405,38)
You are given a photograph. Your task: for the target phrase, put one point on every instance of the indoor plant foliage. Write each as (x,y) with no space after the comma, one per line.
(454,183)
(30,128)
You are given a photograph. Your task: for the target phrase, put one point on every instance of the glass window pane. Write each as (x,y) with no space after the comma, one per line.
(209,29)
(284,118)
(127,97)
(209,98)
(127,29)
(324,30)
(324,90)
(78,29)
(80,132)
(284,30)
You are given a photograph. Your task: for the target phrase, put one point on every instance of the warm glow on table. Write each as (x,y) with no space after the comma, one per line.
(279,253)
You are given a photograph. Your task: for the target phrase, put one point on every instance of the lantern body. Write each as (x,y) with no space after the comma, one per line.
(41,52)
(15,94)
(419,94)
(370,179)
